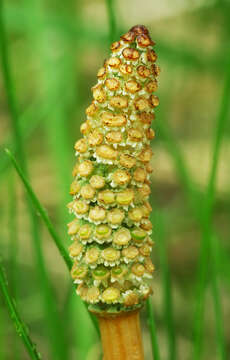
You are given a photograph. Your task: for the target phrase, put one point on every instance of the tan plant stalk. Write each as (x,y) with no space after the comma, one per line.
(121,336)
(111,230)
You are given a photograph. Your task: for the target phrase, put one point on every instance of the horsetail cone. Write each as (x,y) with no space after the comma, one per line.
(111,231)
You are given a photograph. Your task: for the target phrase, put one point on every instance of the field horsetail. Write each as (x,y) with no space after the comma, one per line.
(111,231)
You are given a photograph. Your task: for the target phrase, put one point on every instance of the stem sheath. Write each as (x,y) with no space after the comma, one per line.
(121,337)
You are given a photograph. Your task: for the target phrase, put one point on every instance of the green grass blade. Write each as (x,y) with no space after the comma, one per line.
(42,212)
(54,328)
(111,20)
(59,72)
(83,332)
(2,334)
(194,198)
(165,134)
(222,262)
(28,122)
(152,330)
(12,106)
(58,346)
(166,284)
(20,327)
(13,235)
(207,218)
(221,344)
(53,320)
(13,250)
(10,89)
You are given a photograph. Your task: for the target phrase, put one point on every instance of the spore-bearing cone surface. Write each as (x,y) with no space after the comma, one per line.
(111,230)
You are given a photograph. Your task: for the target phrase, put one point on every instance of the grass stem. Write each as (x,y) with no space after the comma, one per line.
(42,212)
(166,285)
(58,347)
(45,217)
(152,329)
(10,92)
(121,336)
(53,320)
(194,198)
(13,250)
(221,345)
(111,20)
(2,333)
(18,323)
(205,252)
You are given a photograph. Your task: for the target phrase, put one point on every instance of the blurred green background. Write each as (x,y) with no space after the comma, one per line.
(55,49)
